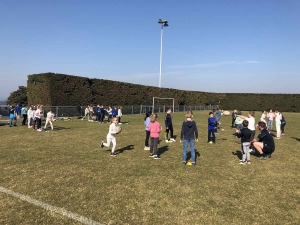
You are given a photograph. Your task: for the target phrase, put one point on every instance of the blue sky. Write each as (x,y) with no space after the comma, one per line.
(217,46)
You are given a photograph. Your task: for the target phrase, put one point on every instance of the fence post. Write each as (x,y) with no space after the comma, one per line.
(56,112)
(132,109)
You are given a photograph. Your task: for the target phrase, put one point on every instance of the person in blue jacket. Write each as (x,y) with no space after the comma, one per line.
(211,128)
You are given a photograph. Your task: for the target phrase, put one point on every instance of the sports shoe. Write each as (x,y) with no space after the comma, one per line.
(277,138)
(172,139)
(167,141)
(147,148)
(261,157)
(193,163)
(184,162)
(156,157)
(210,142)
(113,154)
(282,134)
(102,145)
(251,151)
(151,155)
(248,162)
(268,155)
(242,163)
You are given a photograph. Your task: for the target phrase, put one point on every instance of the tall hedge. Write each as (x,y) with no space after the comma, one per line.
(65,90)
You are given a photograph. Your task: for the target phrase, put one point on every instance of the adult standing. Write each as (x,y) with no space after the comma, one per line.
(24,111)
(18,110)
(264,142)
(38,115)
(91,113)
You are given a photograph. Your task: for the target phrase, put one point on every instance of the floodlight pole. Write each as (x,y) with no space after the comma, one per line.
(160,61)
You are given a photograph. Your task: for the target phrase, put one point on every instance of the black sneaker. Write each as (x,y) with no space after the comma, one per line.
(262,157)
(102,145)
(268,155)
(113,154)
(156,157)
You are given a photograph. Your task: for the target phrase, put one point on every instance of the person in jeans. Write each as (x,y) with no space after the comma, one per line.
(189,134)
(245,135)
(155,129)
(270,116)
(147,123)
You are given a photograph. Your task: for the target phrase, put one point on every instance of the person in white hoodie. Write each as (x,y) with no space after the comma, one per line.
(49,119)
(119,114)
(30,116)
(111,136)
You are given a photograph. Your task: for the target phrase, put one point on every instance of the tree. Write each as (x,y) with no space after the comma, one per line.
(17,97)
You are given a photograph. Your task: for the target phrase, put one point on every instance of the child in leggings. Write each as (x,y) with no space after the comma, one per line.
(169,125)
(155,129)
(111,137)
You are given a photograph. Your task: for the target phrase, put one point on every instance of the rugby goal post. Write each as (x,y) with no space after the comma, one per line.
(153,103)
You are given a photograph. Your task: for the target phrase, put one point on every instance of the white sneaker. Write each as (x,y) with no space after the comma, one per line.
(147,148)
(167,141)
(172,139)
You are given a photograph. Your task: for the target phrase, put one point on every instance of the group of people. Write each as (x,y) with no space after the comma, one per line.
(100,112)
(32,116)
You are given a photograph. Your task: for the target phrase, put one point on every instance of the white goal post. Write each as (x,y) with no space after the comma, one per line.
(153,109)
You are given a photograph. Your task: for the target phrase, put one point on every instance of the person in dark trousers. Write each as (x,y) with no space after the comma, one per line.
(245,135)
(264,143)
(147,123)
(98,114)
(102,113)
(216,121)
(24,111)
(189,134)
(169,125)
(233,116)
(211,128)
(283,123)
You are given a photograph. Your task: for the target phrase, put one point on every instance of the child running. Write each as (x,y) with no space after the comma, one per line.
(155,129)
(245,135)
(111,137)
(147,123)
(189,134)
(169,125)
(49,119)
(211,128)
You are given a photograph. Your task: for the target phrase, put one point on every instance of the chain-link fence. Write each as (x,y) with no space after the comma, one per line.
(78,111)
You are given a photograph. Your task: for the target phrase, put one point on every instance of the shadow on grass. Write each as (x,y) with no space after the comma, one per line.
(162,150)
(238,153)
(189,155)
(59,128)
(121,150)
(297,139)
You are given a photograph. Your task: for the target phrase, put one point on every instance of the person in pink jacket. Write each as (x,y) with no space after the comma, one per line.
(155,129)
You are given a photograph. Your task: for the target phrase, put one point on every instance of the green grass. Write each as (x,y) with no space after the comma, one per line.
(67,168)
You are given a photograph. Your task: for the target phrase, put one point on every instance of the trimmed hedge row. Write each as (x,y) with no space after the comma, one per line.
(61,89)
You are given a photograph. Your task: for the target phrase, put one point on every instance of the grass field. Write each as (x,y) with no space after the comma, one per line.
(66,168)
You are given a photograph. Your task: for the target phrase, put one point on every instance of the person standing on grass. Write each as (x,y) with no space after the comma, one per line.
(111,137)
(119,114)
(189,134)
(218,115)
(12,115)
(155,129)
(245,135)
(91,112)
(98,111)
(147,123)
(24,114)
(270,116)
(211,128)
(216,121)
(263,116)
(86,112)
(49,119)
(264,143)
(34,117)
(102,113)
(30,116)
(169,125)
(278,118)
(233,116)
(39,113)
(283,122)
(251,123)
(114,112)
(18,110)
(109,111)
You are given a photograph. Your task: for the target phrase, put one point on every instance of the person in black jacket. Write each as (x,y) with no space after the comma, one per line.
(245,135)
(169,126)
(189,134)
(264,143)
(233,116)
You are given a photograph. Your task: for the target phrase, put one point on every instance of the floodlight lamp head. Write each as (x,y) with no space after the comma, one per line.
(162,21)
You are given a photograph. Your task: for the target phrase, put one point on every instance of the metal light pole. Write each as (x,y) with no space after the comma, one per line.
(164,23)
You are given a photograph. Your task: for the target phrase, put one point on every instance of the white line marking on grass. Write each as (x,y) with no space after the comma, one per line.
(46,206)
